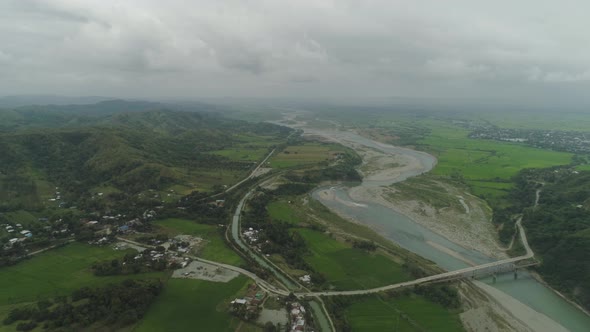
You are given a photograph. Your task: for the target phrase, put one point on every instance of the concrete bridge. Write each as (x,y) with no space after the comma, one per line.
(501,266)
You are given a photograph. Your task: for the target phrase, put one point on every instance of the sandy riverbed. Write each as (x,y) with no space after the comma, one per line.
(491,311)
(470,227)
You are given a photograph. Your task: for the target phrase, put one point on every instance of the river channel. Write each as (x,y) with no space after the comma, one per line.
(420,240)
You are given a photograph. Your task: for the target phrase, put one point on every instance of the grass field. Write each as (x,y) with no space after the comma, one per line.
(57,272)
(483,162)
(215,249)
(283,211)
(406,313)
(241,154)
(193,305)
(25,218)
(480,162)
(205,179)
(304,154)
(535,120)
(249,147)
(348,268)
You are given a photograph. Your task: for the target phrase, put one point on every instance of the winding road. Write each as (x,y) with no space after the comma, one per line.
(466,272)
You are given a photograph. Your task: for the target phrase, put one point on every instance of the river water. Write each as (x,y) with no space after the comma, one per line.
(420,240)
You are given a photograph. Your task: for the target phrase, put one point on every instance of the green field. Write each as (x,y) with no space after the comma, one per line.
(193,305)
(248,147)
(304,154)
(205,179)
(348,268)
(243,154)
(535,120)
(215,249)
(57,272)
(283,211)
(407,313)
(25,218)
(483,162)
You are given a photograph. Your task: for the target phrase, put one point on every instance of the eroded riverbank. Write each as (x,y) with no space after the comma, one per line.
(366,205)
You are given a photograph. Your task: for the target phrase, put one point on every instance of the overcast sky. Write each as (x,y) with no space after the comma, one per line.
(527,50)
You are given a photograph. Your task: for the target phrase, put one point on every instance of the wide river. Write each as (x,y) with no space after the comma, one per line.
(418,239)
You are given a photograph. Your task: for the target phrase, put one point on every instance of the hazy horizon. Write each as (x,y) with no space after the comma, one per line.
(525,53)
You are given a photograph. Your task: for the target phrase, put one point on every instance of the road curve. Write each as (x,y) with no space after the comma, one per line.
(437,277)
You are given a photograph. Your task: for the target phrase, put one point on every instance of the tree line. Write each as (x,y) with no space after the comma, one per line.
(115,305)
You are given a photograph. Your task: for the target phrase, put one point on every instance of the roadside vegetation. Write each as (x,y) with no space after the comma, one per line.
(193,304)
(399,311)
(214,247)
(558,228)
(90,173)
(348,266)
(507,171)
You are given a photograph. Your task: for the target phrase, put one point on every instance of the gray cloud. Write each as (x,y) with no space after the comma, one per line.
(315,48)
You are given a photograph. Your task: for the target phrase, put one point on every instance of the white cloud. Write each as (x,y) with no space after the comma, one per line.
(236,47)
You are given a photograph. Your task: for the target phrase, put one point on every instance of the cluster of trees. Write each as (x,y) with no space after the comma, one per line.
(115,305)
(131,264)
(145,148)
(12,255)
(522,196)
(336,306)
(244,312)
(364,245)
(443,294)
(281,239)
(292,189)
(153,239)
(558,229)
(343,170)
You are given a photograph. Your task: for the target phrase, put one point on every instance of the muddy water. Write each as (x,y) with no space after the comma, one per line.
(418,239)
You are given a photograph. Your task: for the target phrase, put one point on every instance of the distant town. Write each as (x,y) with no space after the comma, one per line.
(558,140)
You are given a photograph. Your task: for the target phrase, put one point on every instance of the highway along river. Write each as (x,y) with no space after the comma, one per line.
(420,240)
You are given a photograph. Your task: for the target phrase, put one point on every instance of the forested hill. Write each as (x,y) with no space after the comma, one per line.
(58,116)
(559,228)
(126,151)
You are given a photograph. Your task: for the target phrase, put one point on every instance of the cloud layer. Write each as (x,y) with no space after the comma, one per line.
(296,48)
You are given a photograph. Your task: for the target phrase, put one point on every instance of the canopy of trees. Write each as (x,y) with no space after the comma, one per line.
(115,305)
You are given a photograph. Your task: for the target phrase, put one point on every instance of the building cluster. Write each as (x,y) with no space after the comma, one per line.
(297,317)
(57,198)
(18,232)
(306,278)
(250,305)
(251,235)
(109,224)
(559,140)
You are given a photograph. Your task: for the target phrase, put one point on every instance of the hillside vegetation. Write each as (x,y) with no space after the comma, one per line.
(121,152)
(559,228)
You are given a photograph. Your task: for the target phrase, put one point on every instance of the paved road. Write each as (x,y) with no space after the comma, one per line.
(261,282)
(252,175)
(438,277)
(48,248)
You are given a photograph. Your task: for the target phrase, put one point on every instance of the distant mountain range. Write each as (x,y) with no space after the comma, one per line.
(27,100)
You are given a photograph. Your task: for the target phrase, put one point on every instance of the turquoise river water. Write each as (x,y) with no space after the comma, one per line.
(416,238)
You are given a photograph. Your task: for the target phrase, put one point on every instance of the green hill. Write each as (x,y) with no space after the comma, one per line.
(559,231)
(122,152)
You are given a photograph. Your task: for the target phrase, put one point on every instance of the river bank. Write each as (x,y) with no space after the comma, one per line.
(417,234)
